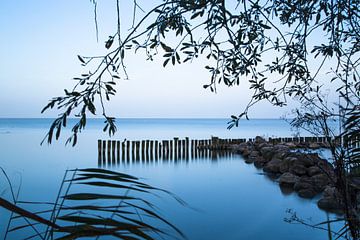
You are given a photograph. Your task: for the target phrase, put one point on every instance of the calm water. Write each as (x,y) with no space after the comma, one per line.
(234,200)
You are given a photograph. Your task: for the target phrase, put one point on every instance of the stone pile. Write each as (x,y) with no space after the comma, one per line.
(305,173)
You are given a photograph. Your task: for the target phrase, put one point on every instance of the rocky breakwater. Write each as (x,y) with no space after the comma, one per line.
(305,173)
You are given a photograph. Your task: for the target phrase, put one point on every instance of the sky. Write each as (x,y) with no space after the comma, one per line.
(39,44)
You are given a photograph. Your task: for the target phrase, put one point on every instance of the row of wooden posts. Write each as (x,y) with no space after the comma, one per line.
(116,152)
(176,149)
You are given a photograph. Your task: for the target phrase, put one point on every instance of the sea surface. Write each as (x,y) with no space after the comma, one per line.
(229,199)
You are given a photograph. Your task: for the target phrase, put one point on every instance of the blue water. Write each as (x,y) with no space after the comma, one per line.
(234,200)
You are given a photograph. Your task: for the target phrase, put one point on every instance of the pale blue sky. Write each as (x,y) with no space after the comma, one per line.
(39,44)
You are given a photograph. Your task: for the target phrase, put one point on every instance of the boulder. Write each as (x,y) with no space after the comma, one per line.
(304,160)
(311,171)
(259,140)
(273,166)
(290,145)
(252,156)
(320,181)
(298,170)
(303,183)
(288,179)
(284,166)
(280,151)
(267,152)
(240,148)
(260,162)
(314,145)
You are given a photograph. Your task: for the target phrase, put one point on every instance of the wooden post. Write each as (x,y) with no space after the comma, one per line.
(103,152)
(133,146)
(183,148)
(137,157)
(109,152)
(99,153)
(113,151)
(156,150)
(118,151)
(143,150)
(164,150)
(187,148)
(160,148)
(171,149)
(128,151)
(175,147)
(147,144)
(123,151)
(151,150)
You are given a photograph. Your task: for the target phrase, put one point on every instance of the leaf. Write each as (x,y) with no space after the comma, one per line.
(81,59)
(166,62)
(165,47)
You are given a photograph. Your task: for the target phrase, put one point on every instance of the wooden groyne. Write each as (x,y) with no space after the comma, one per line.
(113,152)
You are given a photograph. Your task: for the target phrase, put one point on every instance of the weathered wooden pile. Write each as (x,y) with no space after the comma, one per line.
(113,152)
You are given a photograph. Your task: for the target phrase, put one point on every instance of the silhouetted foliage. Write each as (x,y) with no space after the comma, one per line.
(108,203)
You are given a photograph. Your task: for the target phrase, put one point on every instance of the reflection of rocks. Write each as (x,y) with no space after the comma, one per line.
(331,200)
(305,173)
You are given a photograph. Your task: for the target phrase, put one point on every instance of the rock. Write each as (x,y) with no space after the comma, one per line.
(329,204)
(247,152)
(304,160)
(267,152)
(280,151)
(240,148)
(259,140)
(284,166)
(314,145)
(273,166)
(288,179)
(320,181)
(290,145)
(298,170)
(303,183)
(311,171)
(260,162)
(252,156)
(307,193)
